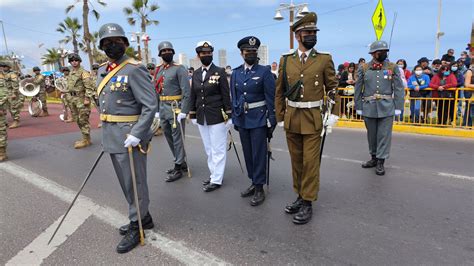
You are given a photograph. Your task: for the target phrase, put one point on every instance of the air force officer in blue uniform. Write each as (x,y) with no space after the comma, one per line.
(253,114)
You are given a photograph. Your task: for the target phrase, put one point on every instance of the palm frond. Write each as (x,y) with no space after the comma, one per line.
(69,8)
(96,14)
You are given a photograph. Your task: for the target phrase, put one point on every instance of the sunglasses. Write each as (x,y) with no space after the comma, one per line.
(74,60)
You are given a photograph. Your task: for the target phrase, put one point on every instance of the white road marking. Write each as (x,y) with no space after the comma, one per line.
(177,250)
(358,161)
(465,177)
(38,249)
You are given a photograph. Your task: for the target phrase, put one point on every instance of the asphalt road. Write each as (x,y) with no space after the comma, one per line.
(420,212)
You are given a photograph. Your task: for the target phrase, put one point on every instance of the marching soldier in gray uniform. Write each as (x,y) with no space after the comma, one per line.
(378,97)
(172,86)
(128,105)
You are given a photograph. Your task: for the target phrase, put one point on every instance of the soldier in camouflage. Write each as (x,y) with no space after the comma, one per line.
(3,113)
(40,80)
(80,95)
(13,99)
(67,105)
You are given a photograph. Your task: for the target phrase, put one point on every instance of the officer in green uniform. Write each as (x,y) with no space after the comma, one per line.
(3,114)
(40,81)
(304,78)
(13,99)
(378,98)
(80,95)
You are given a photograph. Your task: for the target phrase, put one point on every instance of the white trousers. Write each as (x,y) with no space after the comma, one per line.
(214,138)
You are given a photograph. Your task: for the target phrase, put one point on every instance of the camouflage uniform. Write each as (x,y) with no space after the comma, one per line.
(13,103)
(39,80)
(80,87)
(3,113)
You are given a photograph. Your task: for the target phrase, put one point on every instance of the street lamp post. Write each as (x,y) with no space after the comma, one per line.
(136,38)
(300,9)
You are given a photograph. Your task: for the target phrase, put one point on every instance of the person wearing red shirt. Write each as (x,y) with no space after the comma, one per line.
(440,82)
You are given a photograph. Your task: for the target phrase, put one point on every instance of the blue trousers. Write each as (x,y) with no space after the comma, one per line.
(254,145)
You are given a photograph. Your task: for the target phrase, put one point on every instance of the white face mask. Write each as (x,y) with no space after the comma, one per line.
(401,66)
(418,72)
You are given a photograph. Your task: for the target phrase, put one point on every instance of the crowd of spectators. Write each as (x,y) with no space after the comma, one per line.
(443,74)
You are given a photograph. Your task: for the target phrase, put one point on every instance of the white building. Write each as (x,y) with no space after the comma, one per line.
(195,63)
(222,57)
(183,59)
(263,54)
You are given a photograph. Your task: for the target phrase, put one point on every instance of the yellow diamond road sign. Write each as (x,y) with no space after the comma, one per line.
(379,20)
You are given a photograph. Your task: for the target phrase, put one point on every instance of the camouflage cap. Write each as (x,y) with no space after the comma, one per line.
(5,64)
(74,56)
(308,22)
(36,69)
(63,69)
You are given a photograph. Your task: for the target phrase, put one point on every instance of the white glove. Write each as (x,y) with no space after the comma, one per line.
(181,116)
(398,112)
(131,141)
(332,120)
(359,112)
(281,124)
(157,115)
(229,124)
(194,121)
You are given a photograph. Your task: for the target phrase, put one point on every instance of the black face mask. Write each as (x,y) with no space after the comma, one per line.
(381,56)
(250,58)
(168,58)
(309,41)
(114,50)
(206,59)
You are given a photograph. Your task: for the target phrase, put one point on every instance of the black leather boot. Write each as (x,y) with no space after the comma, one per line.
(304,214)
(176,174)
(380,169)
(295,206)
(147,223)
(184,168)
(258,196)
(371,163)
(248,192)
(130,240)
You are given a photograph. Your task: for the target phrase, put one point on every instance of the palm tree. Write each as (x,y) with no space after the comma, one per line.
(85,21)
(140,10)
(52,56)
(97,55)
(131,52)
(70,27)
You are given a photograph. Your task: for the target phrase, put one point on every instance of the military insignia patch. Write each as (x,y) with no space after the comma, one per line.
(252,41)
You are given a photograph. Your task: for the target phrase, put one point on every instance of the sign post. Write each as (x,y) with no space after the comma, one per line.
(379,20)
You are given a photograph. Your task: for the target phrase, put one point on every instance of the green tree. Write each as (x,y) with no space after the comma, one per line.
(131,52)
(52,56)
(70,27)
(85,20)
(141,11)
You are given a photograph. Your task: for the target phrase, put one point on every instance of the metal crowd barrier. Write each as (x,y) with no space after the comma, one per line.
(454,110)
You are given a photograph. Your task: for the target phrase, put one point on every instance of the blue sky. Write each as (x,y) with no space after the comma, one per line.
(345,25)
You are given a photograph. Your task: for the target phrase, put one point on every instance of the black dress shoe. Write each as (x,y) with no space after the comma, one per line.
(130,240)
(175,175)
(371,163)
(211,187)
(206,182)
(258,198)
(147,223)
(304,214)
(248,192)
(380,169)
(184,168)
(295,206)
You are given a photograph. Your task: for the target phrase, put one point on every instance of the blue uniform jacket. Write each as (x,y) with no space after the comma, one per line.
(258,85)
